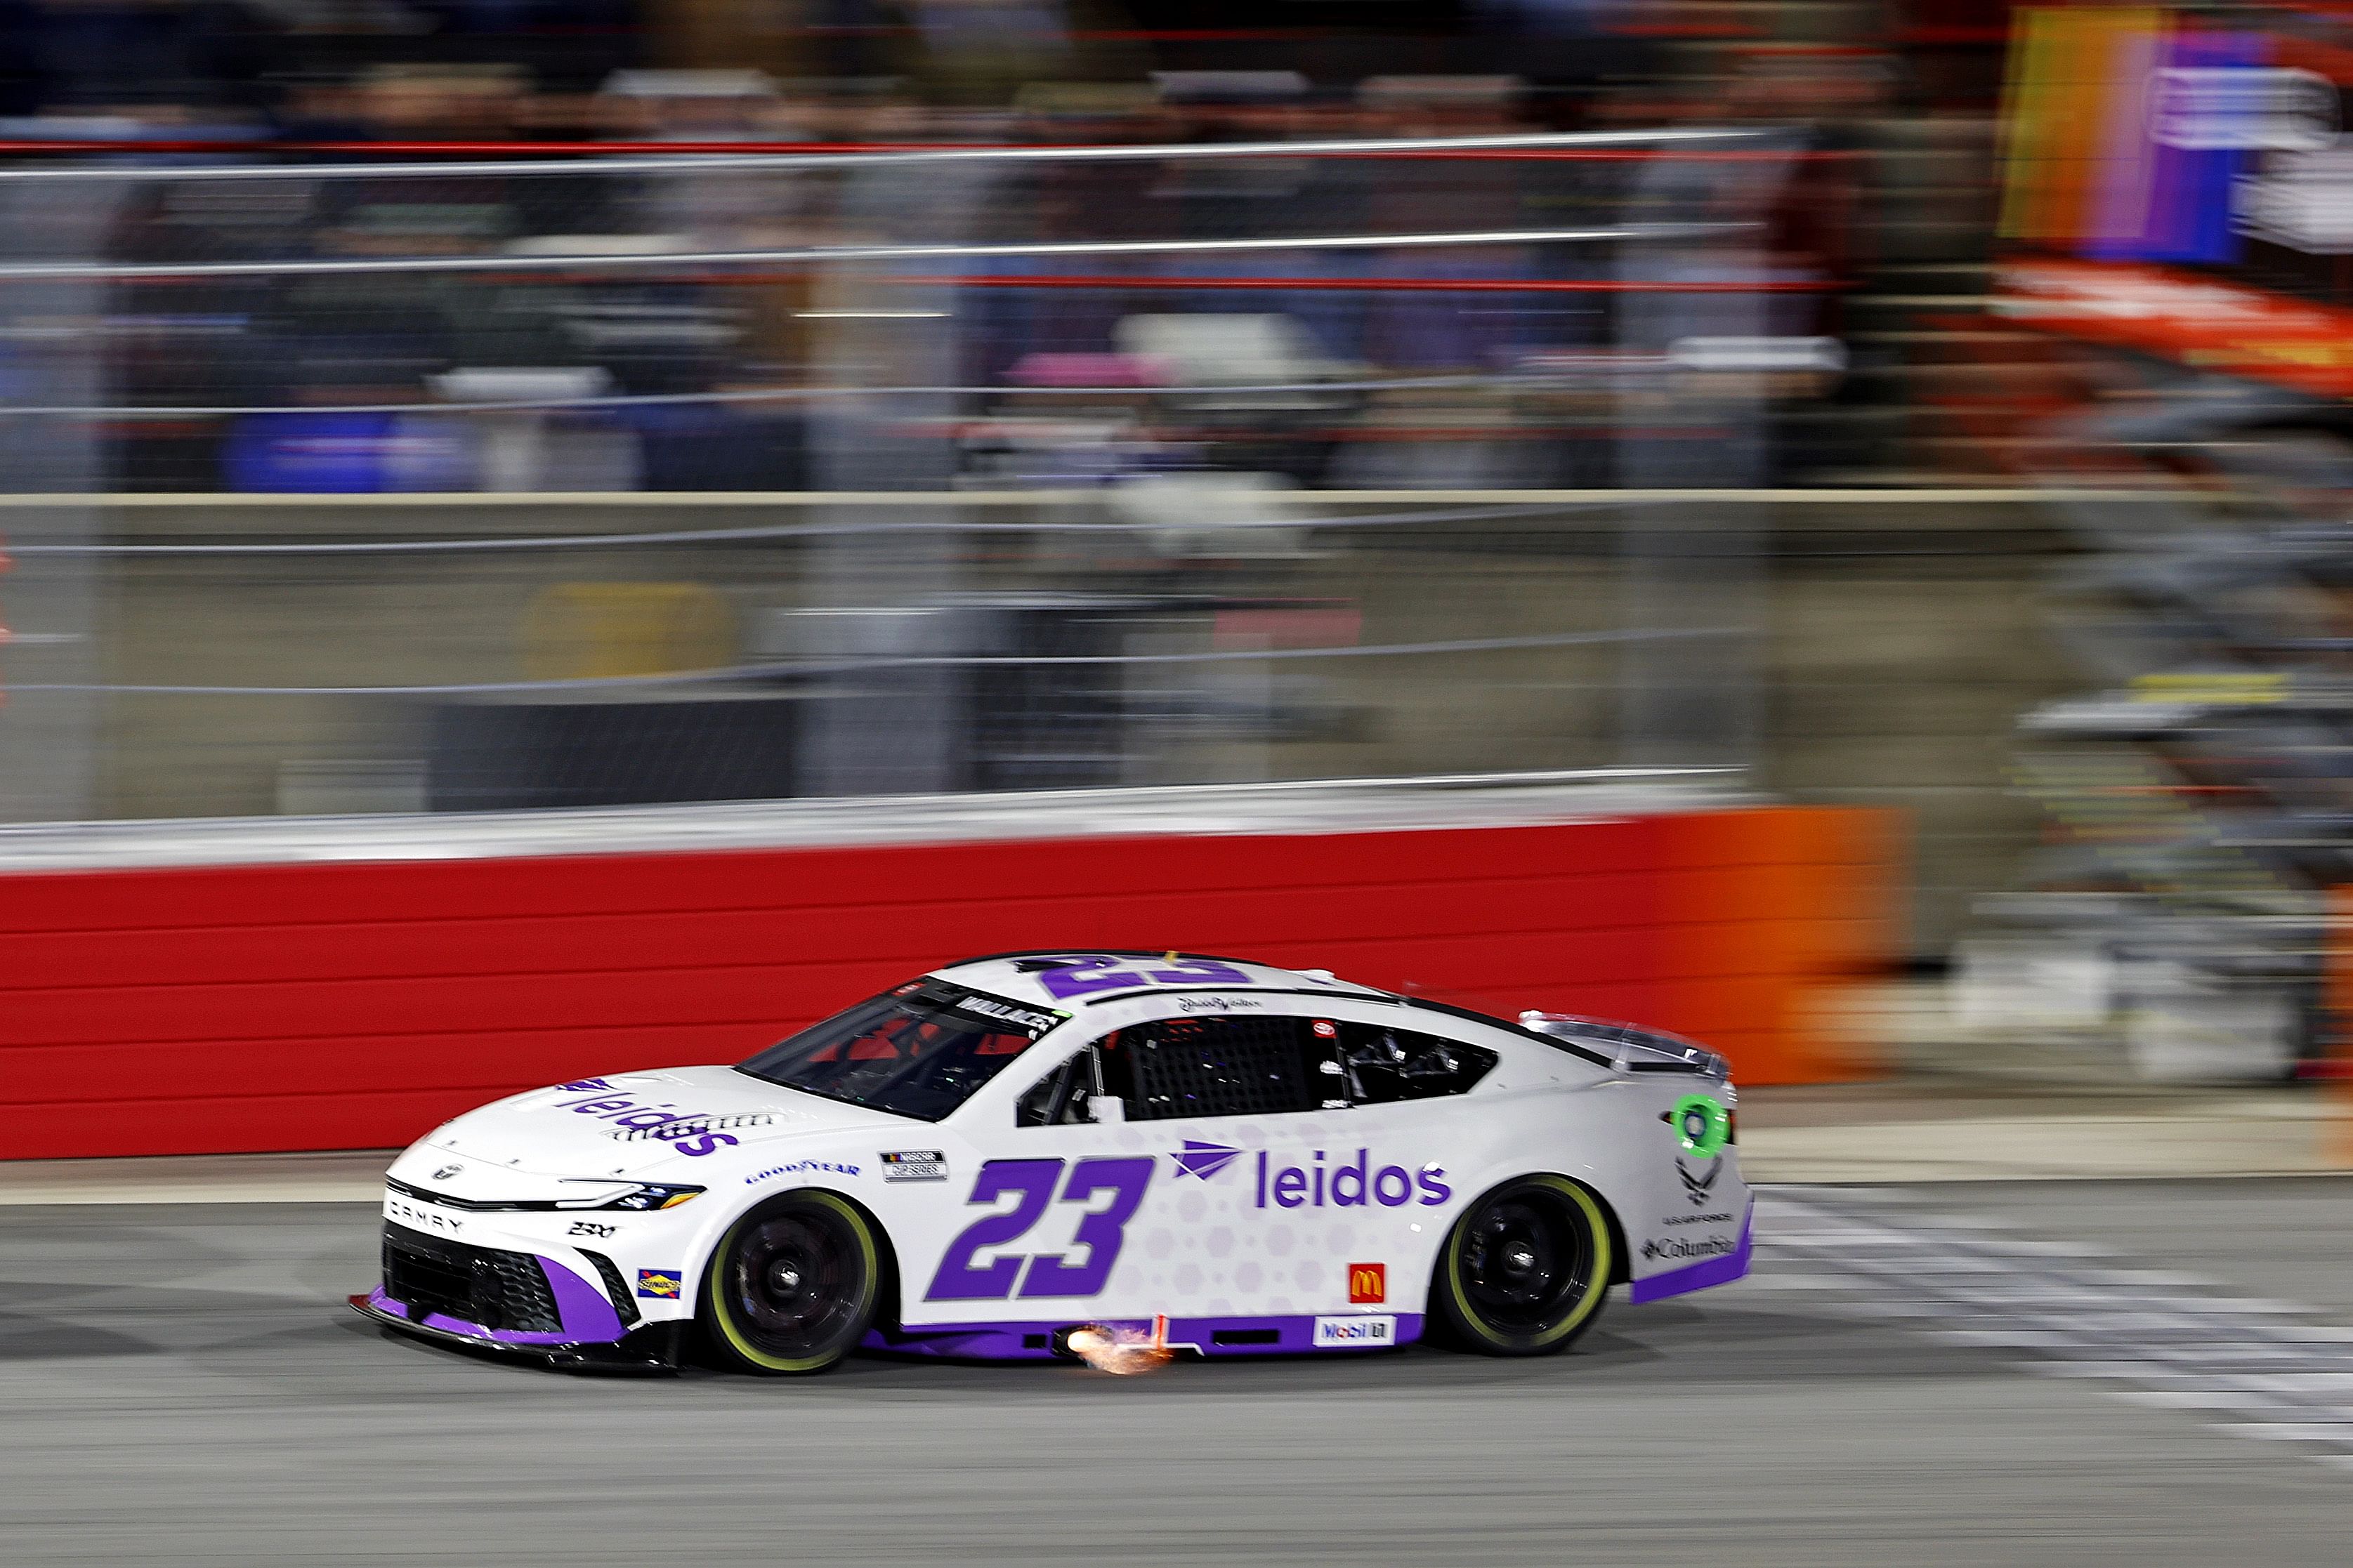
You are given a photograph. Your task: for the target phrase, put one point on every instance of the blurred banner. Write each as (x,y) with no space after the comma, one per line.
(2125,131)
(2179,184)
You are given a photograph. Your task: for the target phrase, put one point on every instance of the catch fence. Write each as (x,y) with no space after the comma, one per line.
(1018,445)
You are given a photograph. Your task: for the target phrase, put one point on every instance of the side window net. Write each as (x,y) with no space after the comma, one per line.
(1212,1067)
(1386,1065)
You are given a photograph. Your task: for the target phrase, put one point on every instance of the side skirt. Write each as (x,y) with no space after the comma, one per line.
(1287,1335)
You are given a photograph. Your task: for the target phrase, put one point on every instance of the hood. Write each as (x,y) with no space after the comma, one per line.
(627,1124)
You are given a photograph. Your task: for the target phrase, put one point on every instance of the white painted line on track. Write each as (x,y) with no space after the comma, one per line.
(2254,1366)
(334,1178)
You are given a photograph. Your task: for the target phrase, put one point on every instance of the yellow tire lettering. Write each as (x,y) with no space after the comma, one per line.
(715,1288)
(1598,1288)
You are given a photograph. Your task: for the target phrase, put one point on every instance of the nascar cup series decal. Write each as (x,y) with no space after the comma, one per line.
(915,1165)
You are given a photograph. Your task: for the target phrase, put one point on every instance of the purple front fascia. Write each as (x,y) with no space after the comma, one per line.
(587,1316)
(1293,1335)
(586,1313)
(1699,1276)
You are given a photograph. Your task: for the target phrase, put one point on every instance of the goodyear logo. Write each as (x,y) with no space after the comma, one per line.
(1367,1283)
(661,1284)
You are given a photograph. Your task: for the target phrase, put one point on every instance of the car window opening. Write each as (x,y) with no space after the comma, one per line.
(918,1052)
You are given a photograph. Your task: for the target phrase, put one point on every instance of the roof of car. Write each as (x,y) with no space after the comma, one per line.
(1022,976)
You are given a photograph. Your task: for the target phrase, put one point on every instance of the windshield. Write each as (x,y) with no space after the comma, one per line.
(920,1050)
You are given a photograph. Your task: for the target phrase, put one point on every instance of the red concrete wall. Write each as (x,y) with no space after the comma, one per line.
(354,1006)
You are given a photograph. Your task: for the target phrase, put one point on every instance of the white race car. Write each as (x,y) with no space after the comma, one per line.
(1015,1151)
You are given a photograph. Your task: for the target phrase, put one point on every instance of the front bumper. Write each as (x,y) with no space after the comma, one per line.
(651,1347)
(515,1301)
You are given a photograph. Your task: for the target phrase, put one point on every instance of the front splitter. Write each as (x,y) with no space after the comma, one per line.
(653,1348)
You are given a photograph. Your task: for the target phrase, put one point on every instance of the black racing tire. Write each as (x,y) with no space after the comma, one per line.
(793,1286)
(1525,1269)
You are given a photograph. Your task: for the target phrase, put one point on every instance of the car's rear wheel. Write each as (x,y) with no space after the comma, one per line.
(1525,1269)
(792,1286)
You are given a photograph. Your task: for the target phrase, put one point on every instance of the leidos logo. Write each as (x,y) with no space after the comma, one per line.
(1368,1283)
(1204,1160)
(1350,1185)
(1343,1185)
(686,1133)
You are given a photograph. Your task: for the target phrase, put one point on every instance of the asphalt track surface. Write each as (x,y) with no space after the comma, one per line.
(182,1384)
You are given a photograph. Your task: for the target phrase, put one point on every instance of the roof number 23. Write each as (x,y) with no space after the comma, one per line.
(1091,974)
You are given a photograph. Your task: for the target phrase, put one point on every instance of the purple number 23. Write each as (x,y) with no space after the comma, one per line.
(1091,974)
(1101,1231)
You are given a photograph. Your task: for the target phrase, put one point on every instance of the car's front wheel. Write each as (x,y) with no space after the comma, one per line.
(793,1285)
(1525,1268)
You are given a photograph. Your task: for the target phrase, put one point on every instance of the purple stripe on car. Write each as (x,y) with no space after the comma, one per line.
(1010,1342)
(449,1325)
(1699,1276)
(585,1313)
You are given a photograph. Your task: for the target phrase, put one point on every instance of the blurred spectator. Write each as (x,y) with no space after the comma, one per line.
(137,57)
(980,51)
(494,72)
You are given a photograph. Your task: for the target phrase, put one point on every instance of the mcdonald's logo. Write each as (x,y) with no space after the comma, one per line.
(1367,1283)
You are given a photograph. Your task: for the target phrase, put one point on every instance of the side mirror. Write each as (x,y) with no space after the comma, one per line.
(1106,1109)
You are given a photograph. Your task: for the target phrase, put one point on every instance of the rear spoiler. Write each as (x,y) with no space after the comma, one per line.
(1630,1047)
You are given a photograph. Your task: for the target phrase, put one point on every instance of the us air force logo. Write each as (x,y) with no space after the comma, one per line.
(1700,1188)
